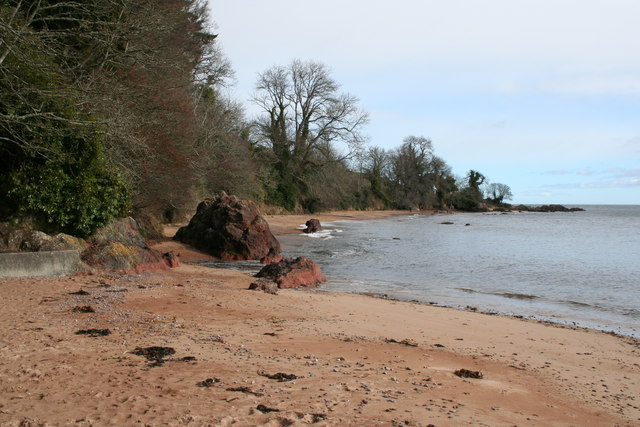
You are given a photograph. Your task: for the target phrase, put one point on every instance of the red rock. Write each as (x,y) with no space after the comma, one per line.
(266,285)
(229,228)
(290,273)
(313,226)
(120,247)
(171,259)
(128,259)
(123,230)
(271,257)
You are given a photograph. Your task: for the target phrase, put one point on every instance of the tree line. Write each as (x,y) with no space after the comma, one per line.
(114,107)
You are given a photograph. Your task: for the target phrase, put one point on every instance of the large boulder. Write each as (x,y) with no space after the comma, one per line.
(114,256)
(123,230)
(313,226)
(119,246)
(229,228)
(290,273)
(272,256)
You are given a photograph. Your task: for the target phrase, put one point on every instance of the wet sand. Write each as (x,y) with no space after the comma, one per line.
(357,360)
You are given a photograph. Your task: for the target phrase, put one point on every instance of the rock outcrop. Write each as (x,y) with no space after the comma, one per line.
(545,208)
(22,240)
(290,273)
(229,228)
(124,231)
(313,226)
(119,246)
(271,257)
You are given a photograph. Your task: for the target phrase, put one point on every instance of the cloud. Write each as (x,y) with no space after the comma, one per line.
(624,173)
(633,143)
(592,83)
(500,124)
(607,178)
(613,183)
(581,172)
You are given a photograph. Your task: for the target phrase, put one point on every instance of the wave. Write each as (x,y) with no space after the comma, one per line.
(324,234)
(469,291)
(579,304)
(513,295)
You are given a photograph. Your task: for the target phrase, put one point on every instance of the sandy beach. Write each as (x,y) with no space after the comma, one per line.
(301,357)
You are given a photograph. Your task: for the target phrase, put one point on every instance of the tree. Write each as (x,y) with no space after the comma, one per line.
(444,182)
(376,169)
(101,91)
(469,198)
(410,172)
(498,192)
(475,179)
(53,166)
(304,120)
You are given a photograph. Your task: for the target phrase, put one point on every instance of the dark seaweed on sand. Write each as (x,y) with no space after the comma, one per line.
(94,332)
(83,309)
(265,409)
(281,377)
(154,354)
(466,373)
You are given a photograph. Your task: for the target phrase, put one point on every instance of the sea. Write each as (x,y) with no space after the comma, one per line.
(578,268)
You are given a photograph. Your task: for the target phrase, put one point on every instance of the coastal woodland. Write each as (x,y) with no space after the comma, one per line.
(120,107)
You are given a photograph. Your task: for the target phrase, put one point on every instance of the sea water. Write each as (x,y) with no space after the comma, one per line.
(579,268)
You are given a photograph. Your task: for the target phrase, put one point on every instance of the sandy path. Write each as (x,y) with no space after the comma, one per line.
(336,344)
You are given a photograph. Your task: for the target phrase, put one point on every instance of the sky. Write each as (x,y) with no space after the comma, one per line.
(542,95)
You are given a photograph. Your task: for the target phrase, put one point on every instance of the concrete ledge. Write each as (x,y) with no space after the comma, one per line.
(29,264)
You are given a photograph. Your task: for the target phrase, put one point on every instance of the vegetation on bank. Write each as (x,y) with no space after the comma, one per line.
(112,107)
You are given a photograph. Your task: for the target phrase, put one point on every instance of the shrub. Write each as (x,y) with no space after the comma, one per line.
(75,193)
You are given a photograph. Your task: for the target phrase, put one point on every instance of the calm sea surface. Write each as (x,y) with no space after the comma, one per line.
(581,267)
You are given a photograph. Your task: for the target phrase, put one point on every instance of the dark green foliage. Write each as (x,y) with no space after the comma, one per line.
(74,193)
(475,179)
(465,201)
(100,93)
(286,195)
(53,168)
(469,198)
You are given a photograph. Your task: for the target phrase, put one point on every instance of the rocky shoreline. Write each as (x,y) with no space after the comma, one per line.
(545,208)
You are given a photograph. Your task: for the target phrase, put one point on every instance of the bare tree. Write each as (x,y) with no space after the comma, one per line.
(498,192)
(305,118)
(410,172)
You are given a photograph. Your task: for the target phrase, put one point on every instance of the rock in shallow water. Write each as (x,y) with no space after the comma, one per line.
(313,226)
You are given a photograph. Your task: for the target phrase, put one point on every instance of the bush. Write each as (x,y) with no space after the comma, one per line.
(75,193)
(464,202)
